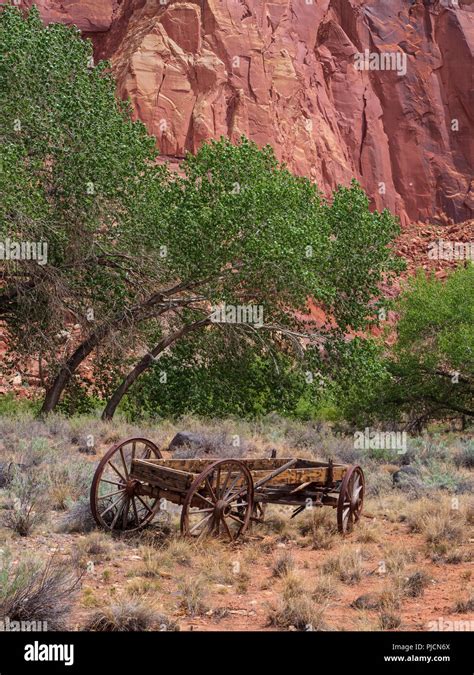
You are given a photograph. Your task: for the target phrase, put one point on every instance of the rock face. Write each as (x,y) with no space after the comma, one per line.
(284,72)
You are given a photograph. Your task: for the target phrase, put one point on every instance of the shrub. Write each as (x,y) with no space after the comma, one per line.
(283,564)
(27,506)
(193,594)
(130,615)
(464,605)
(465,456)
(389,621)
(415,584)
(78,519)
(299,612)
(347,566)
(35,592)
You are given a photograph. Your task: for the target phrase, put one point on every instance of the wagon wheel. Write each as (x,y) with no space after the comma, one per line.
(220,501)
(116,503)
(351,499)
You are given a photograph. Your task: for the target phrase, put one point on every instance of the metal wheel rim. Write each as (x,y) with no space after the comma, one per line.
(351,499)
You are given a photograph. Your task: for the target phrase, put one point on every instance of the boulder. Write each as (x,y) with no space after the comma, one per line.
(187,439)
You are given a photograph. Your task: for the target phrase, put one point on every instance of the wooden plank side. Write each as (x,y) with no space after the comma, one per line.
(298,476)
(166,474)
(165,477)
(253,464)
(198,465)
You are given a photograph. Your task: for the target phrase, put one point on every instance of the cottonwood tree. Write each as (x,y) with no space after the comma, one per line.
(75,170)
(245,232)
(429,372)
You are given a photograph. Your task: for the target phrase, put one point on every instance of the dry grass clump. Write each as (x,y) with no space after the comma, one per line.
(226,570)
(152,563)
(389,620)
(442,533)
(458,556)
(67,481)
(296,609)
(324,588)
(96,547)
(415,584)
(278,522)
(78,519)
(421,513)
(367,532)
(129,615)
(395,559)
(318,527)
(179,551)
(464,605)
(386,600)
(174,552)
(38,592)
(193,593)
(283,564)
(142,587)
(292,585)
(347,565)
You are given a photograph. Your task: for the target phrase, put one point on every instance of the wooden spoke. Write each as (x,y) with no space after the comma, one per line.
(211,491)
(111,494)
(229,491)
(226,528)
(124,463)
(200,523)
(225,483)
(111,482)
(110,507)
(116,517)
(204,499)
(218,480)
(125,512)
(135,512)
(145,505)
(112,466)
(236,518)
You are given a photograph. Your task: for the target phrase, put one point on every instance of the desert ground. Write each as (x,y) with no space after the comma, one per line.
(408,564)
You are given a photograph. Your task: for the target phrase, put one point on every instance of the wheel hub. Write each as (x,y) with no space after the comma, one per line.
(221,508)
(131,487)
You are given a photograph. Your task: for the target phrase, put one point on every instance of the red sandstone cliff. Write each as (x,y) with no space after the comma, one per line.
(282,72)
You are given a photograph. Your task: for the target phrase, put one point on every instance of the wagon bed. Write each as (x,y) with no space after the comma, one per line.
(218,497)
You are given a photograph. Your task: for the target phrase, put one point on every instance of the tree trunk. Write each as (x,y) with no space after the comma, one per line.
(54,392)
(144,363)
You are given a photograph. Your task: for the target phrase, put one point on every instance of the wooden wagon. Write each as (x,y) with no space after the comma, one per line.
(219,497)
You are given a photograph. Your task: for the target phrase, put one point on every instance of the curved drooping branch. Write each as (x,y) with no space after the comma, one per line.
(146,362)
(156,305)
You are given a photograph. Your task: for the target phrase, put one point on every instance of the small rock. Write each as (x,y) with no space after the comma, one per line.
(187,438)
(87,450)
(367,601)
